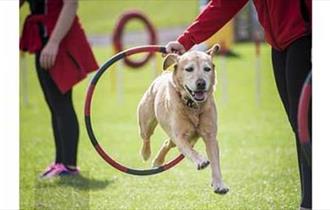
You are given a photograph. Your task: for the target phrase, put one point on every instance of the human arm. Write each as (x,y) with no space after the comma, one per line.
(212,18)
(63,25)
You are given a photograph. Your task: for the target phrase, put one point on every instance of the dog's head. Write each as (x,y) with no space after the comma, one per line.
(194,72)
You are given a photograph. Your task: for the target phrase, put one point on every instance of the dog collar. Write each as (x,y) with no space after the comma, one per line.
(188,98)
(190,103)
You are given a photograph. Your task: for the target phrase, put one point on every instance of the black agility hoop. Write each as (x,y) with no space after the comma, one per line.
(89,127)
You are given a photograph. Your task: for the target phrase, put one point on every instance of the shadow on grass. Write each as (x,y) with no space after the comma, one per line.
(78,182)
(67,192)
(84,183)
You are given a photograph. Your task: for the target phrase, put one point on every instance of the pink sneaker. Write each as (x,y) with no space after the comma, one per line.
(70,171)
(58,169)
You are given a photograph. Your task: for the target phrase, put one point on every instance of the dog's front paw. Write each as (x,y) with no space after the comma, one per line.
(202,163)
(157,162)
(145,151)
(220,188)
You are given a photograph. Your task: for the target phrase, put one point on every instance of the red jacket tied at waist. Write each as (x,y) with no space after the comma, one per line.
(31,40)
(74,59)
(282,21)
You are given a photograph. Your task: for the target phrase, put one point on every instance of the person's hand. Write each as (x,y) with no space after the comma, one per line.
(175,47)
(48,55)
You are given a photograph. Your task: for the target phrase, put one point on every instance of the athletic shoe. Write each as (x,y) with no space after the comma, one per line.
(58,169)
(69,171)
(53,170)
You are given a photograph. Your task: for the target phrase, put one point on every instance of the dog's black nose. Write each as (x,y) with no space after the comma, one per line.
(201,84)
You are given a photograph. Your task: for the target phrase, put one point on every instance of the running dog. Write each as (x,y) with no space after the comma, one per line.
(182,102)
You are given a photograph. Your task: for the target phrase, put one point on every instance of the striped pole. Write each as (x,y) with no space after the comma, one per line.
(224,79)
(24,79)
(257,69)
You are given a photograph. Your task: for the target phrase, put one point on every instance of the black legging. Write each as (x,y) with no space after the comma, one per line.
(291,68)
(64,120)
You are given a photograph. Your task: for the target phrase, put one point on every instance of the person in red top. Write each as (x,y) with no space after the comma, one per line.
(63,58)
(287,26)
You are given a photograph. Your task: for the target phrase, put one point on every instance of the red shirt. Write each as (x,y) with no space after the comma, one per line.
(74,59)
(281,19)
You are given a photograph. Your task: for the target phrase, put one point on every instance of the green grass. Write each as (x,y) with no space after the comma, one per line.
(257,148)
(101,16)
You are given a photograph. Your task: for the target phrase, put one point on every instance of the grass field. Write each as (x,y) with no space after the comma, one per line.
(257,148)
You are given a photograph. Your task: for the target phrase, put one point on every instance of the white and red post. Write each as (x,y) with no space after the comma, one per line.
(257,68)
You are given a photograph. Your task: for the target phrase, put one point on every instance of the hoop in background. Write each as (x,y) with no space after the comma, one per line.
(118,34)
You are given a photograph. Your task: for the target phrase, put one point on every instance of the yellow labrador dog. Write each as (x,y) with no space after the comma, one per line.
(182,102)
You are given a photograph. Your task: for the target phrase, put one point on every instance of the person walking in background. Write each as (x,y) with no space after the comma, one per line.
(63,58)
(287,26)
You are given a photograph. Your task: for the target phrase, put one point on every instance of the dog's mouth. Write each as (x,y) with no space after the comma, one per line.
(199,95)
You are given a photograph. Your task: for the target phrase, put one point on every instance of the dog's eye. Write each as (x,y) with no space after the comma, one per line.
(189,69)
(207,69)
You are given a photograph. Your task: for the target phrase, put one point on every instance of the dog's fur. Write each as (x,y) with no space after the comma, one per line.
(182,102)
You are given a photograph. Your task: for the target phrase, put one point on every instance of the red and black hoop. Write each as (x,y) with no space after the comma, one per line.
(118,34)
(89,127)
(304,111)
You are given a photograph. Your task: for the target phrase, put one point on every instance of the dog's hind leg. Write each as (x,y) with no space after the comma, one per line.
(160,157)
(147,124)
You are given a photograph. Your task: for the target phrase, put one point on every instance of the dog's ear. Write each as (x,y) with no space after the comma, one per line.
(215,49)
(169,60)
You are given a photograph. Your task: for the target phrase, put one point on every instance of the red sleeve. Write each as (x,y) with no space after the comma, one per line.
(212,18)
(309,8)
